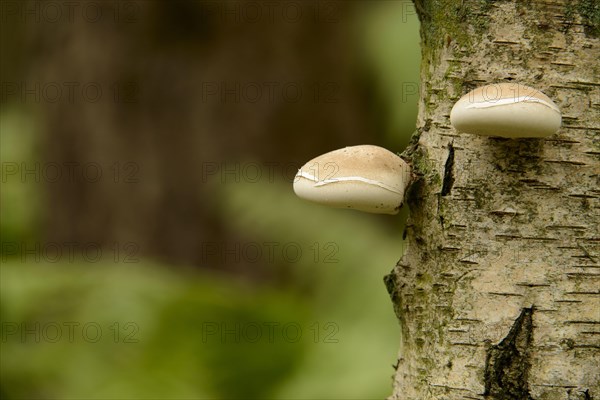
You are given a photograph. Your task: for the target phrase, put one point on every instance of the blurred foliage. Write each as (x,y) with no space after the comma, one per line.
(348,292)
(154,341)
(20,197)
(163,329)
(183,349)
(391,37)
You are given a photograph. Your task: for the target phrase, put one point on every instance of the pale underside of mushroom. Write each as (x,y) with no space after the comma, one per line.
(366,178)
(506,110)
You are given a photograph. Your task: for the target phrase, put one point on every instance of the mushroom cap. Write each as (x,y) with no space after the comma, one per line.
(508,110)
(366,178)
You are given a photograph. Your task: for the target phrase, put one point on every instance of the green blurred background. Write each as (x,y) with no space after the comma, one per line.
(152,246)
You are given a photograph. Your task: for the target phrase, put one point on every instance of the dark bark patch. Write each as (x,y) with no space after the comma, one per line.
(587,395)
(573,394)
(448,172)
(390,284)
(393,288)
(507,363)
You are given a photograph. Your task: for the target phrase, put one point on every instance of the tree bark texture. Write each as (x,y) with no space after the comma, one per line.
(498,293)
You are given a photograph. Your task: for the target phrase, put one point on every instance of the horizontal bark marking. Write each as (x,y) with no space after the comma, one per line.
(575,275)
(582,322)
(556,386)
(585,128)
(577,227)
(541,238)
(531,285)
(504,212)
(508,42)
(585,83)
(467,320)
(571,162)
(449,387)
(465,344)
(505,294)
(583,196)
(585,293)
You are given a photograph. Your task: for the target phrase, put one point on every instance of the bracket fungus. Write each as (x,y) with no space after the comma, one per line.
(508,110)
(366,178)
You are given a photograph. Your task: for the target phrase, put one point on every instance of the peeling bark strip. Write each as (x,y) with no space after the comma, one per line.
(507,363)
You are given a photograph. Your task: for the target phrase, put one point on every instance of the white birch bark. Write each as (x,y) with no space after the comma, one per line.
(498,294)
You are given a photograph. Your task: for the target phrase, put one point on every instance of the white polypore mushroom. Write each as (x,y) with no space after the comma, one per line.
(508,110)
(366,178)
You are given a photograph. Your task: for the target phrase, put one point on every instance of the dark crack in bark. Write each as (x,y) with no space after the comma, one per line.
(448,172)
(587,395)
(577,394)
(507,363)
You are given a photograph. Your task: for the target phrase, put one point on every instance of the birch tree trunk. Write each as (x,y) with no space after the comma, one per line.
(498,293)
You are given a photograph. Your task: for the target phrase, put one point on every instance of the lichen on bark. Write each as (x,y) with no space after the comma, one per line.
(497,294)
